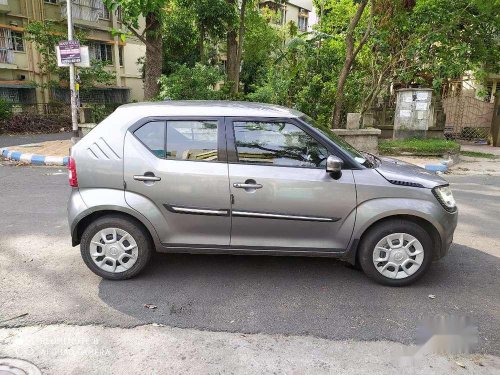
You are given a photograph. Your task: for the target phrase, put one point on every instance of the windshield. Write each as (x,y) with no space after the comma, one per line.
(360,157)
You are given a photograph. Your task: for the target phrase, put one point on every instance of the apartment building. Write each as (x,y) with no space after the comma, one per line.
(21,80)
(297,11)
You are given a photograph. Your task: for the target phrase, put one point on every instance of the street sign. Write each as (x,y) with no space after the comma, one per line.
(70,51)
(84,58)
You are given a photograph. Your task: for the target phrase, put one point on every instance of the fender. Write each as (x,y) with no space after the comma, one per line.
(104,200)
(373,210)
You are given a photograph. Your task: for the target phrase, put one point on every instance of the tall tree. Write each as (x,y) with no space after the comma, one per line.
(151,11)
(235,38)
(352,51)
(211,18)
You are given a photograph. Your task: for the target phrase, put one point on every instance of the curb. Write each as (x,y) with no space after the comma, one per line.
(33,158)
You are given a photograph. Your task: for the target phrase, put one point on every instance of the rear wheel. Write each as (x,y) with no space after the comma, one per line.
(396,252)
(115,247)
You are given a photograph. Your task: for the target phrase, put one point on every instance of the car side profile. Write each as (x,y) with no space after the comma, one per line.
(248,178)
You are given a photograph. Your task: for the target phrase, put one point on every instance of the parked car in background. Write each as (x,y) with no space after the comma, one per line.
(248,178)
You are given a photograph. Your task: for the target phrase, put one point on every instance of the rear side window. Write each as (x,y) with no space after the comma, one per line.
(192,140)
(152,135)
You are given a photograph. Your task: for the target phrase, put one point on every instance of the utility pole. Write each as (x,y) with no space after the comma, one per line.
(74,116)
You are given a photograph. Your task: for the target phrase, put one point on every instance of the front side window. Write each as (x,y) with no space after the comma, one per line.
(192,140)
(152,135)
(277,144)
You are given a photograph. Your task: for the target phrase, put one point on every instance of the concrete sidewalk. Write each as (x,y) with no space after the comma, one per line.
(44,153)
(155,349)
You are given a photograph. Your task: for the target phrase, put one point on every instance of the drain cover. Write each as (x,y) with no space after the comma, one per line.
(13,366)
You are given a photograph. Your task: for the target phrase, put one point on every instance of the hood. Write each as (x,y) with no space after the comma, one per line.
(406,174)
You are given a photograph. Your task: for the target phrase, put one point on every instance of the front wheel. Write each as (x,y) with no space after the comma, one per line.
(115,247)
(396,252)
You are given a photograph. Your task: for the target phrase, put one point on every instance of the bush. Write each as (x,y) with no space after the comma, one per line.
(196,83)
(5,110)
(416,146)
(28,122)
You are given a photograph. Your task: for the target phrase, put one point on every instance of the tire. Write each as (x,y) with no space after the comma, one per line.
(395,228)
(108,253)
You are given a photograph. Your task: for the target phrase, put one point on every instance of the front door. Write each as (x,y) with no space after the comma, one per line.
(179,166)
(283,198)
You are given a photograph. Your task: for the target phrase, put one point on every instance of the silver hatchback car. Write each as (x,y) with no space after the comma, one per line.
(248,178)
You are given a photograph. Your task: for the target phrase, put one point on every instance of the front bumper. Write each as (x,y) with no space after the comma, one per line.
(448,223)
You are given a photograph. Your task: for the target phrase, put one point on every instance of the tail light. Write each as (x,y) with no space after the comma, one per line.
(73,179)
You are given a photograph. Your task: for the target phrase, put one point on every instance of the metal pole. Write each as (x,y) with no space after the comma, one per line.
(74,117)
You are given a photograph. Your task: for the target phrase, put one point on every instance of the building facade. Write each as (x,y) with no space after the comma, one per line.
(296,11)
(21,80)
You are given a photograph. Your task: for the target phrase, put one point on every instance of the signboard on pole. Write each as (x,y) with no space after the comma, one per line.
(70,51)
(84,58)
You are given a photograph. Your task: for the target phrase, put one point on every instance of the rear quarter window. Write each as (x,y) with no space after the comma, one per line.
(152,135)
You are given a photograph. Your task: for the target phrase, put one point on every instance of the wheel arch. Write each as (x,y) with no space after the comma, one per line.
(352,253)
(90,216)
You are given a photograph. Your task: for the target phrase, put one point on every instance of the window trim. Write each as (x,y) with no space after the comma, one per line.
(233,153)
(221,135)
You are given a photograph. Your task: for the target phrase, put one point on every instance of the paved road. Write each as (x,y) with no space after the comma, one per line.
(14,140)
(42,275)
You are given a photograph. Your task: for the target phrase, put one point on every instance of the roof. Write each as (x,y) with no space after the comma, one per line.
(209,108)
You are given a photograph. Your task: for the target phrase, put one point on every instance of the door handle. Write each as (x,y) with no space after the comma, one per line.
(146,178)
(247,186)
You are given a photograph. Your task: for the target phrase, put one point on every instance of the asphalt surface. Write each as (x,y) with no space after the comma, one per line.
(21,139)
(42,276)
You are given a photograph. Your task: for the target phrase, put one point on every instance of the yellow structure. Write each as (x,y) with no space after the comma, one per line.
(296,11)
(19,58)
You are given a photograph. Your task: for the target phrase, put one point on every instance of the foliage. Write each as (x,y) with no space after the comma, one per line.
(194,83)
(478,154)
(5,110)
(417,146)
(46,35)
(33,122)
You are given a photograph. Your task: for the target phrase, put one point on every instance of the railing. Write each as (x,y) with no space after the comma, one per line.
(6,56)
(87,10)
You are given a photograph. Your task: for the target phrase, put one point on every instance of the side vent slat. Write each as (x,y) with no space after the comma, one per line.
(406,183)
(102,150)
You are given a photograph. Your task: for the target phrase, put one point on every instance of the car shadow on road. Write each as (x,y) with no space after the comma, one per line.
(315,296)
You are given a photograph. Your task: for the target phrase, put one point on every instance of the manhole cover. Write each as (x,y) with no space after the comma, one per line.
(13,366)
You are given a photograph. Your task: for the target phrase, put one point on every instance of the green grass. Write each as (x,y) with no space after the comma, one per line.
(477,154)
(416,146)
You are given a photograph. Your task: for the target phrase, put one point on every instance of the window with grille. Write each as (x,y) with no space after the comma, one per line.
(120,55)
(101,51)
(103,11)
(6,47)
(17,41)
(302,23)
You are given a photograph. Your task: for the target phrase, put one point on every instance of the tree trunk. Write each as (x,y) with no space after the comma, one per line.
(154,57)
(201,43)
(232,61)
(339,97)
(351,53)
(235,48)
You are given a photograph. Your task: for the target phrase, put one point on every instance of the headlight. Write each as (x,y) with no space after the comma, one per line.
(445,197)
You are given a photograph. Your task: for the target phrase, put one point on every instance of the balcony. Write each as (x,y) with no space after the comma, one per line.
(6,56)
(86,10)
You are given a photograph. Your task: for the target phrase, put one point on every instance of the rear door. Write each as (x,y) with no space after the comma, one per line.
(282,196)
(179,164)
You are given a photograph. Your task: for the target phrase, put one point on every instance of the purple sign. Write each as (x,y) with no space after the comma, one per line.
(70,51)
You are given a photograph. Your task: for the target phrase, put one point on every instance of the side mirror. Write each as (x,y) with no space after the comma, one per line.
(334,165)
